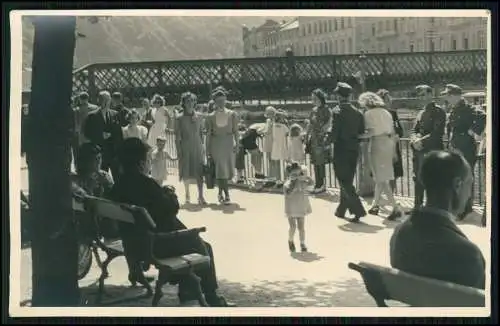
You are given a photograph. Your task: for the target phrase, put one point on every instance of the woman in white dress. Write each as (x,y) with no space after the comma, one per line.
(161,117)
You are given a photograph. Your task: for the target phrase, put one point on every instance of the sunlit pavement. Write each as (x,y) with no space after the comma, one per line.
(253,263)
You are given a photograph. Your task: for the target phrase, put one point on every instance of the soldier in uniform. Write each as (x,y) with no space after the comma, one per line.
(464,126)
(347,126)
(426,135)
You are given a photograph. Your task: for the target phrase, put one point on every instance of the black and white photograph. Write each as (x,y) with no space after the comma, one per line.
(261,162)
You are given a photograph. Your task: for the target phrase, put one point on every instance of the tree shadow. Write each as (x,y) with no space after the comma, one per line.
(263,293)
(360,227)
(227,209)
(391,224)
(306,257)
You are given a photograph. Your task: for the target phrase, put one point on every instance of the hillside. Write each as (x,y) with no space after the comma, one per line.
(122,39)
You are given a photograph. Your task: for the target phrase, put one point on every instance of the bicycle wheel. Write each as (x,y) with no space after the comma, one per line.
(84,259)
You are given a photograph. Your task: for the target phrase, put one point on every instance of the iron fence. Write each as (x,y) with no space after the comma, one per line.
(404,185)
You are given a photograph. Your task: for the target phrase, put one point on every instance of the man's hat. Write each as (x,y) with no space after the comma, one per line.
(161,138)
(343,89)
(270,110)
(423,89)
(219,91)
(117,95)
(382,92)
(452,89)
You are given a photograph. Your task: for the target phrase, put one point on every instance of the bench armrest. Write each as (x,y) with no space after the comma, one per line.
(172,236)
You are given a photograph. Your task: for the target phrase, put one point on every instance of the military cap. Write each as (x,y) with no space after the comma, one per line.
(343,89)
(452,89)
(161,138)
(219,92)
(382,92)
(117,95)
(423,89)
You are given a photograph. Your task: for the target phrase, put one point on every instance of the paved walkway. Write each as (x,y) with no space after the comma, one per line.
(251,253)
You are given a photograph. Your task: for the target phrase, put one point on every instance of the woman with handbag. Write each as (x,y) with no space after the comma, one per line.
(381,149)
(317,135)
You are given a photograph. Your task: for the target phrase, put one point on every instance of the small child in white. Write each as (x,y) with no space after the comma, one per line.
(296,148)
(159,158)
(297,204)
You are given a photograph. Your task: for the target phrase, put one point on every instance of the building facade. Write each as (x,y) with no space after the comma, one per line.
(310,36)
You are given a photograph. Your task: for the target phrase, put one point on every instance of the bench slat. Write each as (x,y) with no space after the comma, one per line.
(420,291)
(183,262)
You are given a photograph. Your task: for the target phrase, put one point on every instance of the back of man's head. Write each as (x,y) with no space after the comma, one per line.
(443,173)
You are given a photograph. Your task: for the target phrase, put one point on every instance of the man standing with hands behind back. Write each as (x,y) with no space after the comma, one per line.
(465,125)
(103,127)
(426,135)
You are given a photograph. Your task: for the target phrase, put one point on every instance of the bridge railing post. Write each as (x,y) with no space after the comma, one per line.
(92,85)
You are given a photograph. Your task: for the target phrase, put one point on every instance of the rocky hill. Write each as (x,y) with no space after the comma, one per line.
(122,39)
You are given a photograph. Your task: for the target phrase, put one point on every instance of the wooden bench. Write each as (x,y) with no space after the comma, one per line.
(171,270)
(384,283)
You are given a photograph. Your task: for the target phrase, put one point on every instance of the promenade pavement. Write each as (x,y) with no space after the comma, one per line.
(253,264)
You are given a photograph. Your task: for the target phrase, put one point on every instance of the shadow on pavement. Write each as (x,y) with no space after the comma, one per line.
(306,257)
(328,196)
(391,224)
(290,293)
(227,209)
(361,227)
(192,207)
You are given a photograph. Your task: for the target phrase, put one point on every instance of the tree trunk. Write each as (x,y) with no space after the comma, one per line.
(54,242)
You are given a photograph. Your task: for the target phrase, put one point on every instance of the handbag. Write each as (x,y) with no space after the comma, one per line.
(209,172)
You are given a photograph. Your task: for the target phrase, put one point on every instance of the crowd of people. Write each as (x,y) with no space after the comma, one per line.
(121,154)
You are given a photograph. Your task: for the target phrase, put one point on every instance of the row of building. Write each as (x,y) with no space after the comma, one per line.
(309,36)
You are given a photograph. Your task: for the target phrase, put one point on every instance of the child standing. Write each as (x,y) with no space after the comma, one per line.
(297,204)
(159,158)
(296,144)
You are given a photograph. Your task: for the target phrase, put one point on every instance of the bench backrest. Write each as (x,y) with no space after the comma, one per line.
(415,290)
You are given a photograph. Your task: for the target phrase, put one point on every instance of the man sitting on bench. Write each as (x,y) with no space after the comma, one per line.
(429,243)
(136,187)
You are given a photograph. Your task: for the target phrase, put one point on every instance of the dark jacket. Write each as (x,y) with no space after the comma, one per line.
(123,114)
(95,125)
(429,244)
(347,126)
(432,122)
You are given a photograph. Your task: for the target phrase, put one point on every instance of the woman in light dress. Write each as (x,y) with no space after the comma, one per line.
(381,149)
(222,143)
(161,117)
(189,144)
(134,129)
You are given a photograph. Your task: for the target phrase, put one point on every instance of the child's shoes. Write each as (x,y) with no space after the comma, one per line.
(291,246)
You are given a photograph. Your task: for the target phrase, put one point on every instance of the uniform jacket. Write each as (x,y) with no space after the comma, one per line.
(431,121)
(347,125)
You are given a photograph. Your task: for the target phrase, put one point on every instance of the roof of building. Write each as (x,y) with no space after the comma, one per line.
(290,25)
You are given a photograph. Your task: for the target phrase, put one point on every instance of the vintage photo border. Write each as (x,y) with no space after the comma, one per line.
(15,163)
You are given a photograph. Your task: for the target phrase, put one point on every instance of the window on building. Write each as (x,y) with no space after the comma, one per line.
(342,26)
(315,28)
(330,47)
(309,29)
(431,46)
(335,24)
(453,44)
(396,25)
(388,49)
(305,50)
(349,22)
(320,27)
(330,25)
(420,45)
(412,47)
(325,26)
(342,46)
(325,46)
(441,44)
(481,39)
(465,43)
(318,49)
(336,47)
(374,29)
(349,46)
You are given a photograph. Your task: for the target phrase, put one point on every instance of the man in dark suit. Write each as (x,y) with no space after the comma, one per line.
(426,135)
(347,125)
(82,109)
(102,127)
(428,243)
(464,126)
(118,106)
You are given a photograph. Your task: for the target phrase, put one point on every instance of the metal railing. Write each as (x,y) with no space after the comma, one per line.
(404,185)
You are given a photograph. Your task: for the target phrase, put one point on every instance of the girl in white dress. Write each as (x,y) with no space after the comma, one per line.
(297,204)
(161,116)
(133,129)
